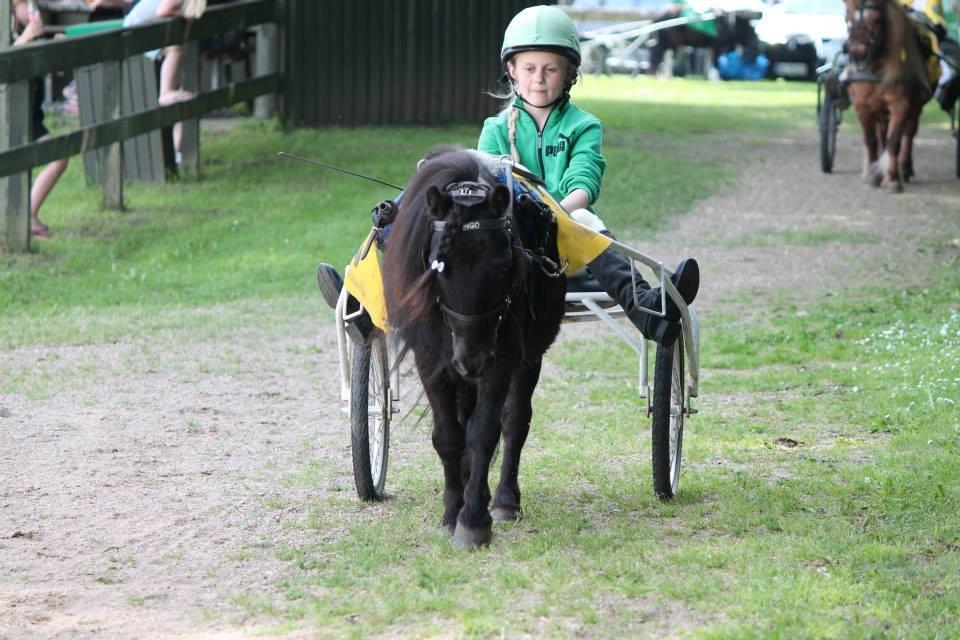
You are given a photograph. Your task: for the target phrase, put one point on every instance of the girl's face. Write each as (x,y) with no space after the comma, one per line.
(540,76)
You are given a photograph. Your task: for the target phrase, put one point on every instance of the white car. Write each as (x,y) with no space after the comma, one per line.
(793,31)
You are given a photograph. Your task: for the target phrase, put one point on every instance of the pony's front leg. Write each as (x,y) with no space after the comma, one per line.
(517,412)
(871,144)
(892,180)
(449,442)
(864,103)
(474,524)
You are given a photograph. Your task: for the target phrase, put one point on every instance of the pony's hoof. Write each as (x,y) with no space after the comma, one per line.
(894,187)
(506,514)
(448,527)
(468,539)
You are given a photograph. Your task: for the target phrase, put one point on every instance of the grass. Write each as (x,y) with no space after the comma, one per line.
(248,227)
(852,533)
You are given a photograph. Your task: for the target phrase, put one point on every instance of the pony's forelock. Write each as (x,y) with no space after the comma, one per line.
(409,283)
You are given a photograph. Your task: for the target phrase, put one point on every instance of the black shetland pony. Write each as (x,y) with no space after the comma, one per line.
(472,303)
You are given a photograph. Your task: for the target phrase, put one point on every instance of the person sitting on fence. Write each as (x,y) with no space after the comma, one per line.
(143,11)
(30,27)
(541,129)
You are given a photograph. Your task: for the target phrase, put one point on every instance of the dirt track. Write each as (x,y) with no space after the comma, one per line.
(131,505)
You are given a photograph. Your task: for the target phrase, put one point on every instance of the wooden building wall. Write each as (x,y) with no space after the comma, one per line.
(353,62)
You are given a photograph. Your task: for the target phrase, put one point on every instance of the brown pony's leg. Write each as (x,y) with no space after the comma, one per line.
(860,97)
(517,413)
(910,131)
(899,112)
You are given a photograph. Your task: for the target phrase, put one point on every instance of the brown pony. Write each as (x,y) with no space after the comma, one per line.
(888,87)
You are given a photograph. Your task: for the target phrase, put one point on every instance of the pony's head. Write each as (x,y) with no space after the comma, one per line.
(456,253)
(882,40)
(867,29)
(475,264)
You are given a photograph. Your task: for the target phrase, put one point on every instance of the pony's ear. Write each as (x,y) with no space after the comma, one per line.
(500,199)
(438,202)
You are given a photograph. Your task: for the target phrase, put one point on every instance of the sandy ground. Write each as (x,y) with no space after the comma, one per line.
(132,502)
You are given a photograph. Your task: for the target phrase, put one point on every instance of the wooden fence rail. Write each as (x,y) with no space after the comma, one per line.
(110,49)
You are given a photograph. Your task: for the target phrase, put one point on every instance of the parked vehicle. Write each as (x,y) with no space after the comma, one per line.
(797,36)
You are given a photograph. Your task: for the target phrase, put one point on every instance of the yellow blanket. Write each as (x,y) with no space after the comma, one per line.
(577,245)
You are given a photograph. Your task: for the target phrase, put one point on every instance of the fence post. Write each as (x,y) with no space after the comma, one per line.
(15,189)
(112,169)
(190,140)
(267,61)
(14,120)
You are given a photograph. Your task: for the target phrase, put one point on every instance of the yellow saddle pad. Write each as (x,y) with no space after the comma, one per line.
(929,43)
(576,244)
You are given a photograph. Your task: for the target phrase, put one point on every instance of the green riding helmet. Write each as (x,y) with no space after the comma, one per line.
(541,28)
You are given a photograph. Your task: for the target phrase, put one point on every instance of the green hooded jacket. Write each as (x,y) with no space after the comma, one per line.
(567,154)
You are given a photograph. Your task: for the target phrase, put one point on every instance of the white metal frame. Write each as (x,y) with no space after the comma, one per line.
(595,307)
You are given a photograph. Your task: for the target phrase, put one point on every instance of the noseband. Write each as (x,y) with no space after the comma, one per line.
(467,194)
(875,34)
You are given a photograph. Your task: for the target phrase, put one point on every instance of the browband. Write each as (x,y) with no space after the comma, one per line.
(468,193)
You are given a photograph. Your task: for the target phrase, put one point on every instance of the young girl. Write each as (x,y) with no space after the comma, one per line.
(542,130)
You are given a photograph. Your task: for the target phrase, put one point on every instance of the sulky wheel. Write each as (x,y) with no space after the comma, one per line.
(828,125)
(669,394)
(370,414)
(956,132)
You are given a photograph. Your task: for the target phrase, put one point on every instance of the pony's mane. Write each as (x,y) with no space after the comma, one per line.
(902,36)
(404,273)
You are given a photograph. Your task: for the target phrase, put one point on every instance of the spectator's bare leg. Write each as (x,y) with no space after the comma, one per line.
(41,189)
(170,73)
(177,137)
(169,86)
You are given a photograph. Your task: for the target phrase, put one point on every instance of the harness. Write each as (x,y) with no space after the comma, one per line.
(875,36)
(535,219)
(468,194)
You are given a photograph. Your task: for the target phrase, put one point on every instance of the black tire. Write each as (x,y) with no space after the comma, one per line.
(956,131)
(370,414)
(669,396)
(829,123)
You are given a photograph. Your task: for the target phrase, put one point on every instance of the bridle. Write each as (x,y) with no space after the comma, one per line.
(468,194)
(875,33)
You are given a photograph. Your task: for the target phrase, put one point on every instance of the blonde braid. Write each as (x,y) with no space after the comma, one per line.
(512,133)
